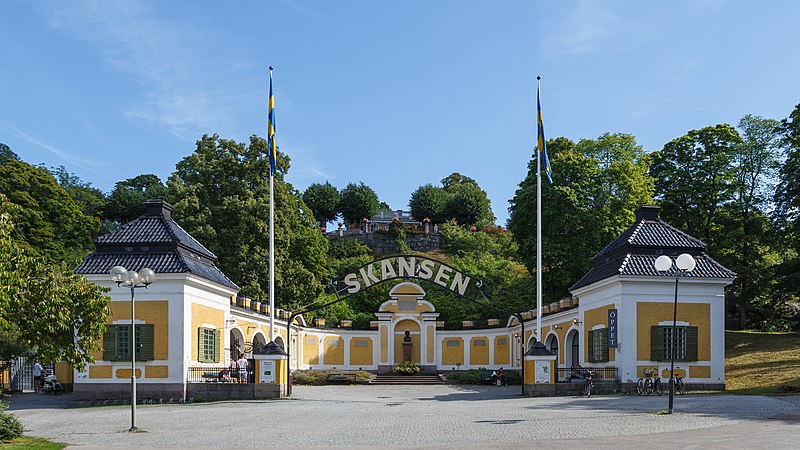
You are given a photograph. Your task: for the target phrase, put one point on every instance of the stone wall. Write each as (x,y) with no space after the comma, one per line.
(385,243)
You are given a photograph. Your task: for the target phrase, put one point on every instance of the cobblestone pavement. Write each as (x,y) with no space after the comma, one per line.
(423,416)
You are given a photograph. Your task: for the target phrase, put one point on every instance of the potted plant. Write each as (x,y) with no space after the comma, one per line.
(405,368)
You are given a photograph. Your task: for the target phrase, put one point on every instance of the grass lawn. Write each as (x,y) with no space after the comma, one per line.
(762,363)
(27,443)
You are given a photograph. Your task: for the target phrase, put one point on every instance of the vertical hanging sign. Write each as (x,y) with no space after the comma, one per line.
(612,328)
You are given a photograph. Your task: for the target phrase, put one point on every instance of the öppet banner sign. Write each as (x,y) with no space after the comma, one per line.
(612,328)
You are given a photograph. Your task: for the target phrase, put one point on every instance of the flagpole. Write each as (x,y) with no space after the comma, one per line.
(538,221)
(271,239)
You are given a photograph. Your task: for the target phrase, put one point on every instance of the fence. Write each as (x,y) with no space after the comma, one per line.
(5,376)
(221,375)
(576,375)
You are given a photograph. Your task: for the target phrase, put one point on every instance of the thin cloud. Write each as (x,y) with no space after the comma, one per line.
(589,28)
(305,167)
(90,165)
(185,91)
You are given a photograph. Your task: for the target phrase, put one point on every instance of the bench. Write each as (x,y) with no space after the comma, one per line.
(215,376)
(341,378)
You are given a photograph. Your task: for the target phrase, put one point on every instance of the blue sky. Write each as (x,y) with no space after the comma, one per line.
(394,94)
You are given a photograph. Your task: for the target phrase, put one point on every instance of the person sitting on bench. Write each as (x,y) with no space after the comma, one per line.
(500,376)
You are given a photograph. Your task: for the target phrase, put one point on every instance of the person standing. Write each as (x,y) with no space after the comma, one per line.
(243,365)
(37,376)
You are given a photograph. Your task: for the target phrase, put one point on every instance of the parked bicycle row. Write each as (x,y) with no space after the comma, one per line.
(650,383)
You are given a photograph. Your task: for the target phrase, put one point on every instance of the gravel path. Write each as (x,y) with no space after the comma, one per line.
(414,416)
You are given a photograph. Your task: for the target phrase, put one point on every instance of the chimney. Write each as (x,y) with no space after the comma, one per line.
(647,212)
(157,207)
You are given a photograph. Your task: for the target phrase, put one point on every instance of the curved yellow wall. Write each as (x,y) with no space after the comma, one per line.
(310,350)
(502,353)
(361,355)
(454,354)
(333,351)
(479,354)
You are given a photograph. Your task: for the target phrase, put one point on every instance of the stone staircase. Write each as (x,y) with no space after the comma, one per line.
(418,379)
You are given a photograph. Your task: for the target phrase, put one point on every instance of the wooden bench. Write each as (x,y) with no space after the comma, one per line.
(341,378)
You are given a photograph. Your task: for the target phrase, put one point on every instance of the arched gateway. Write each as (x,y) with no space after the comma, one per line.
(407,325)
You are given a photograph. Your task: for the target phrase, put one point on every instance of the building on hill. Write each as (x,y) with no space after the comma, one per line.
(191,323)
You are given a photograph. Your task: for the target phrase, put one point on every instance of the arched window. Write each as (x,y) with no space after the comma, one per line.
(552,345)
(576,345)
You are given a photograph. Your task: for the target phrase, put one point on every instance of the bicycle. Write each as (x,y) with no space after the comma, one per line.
(645,385)
(589,386)
(679,385)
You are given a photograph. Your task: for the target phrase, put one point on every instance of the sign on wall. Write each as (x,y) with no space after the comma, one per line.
(542,371)
(612,328)
(267,372)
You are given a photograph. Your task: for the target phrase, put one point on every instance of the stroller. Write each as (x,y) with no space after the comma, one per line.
(51,386)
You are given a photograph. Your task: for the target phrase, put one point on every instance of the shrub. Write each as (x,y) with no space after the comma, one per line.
(10,427)
(405,368)
(320,377)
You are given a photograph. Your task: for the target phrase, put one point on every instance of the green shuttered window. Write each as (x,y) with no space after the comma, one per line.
(208,342)
(661,343)
(598,345)
(117,342)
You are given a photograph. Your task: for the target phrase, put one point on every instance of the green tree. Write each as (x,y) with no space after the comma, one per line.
(787,208)
(126,201)
(469,205)
(695,179)
(429,201)
(453,181)
(49,220)
(58,313)
(323,200)
(6,153)
(598,184)
(357,201)
(222,193)
(91,200)
(743,241)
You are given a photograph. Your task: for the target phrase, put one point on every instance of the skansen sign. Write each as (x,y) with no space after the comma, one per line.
(405,266)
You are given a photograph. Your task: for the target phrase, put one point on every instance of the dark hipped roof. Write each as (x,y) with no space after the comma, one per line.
(634,252)
(156,241)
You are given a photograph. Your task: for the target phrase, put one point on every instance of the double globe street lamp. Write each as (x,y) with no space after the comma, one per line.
(684,264)
(133,280)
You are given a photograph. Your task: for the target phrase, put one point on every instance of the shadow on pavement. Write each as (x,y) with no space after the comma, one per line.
(36,400)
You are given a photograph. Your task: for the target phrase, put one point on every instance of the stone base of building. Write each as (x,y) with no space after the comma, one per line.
(630,387)
(176,391)
(233,391)
(122,391)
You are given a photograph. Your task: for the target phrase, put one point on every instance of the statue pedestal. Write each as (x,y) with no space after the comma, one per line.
(406,351)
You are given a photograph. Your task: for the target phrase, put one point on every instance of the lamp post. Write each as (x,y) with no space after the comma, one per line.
(133,280)
(684,263)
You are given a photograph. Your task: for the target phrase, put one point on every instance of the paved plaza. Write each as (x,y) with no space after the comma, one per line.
(423,416)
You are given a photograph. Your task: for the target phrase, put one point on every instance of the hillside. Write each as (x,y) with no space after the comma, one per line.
(762,363)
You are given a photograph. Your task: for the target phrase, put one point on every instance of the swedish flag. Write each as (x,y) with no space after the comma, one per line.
(271,144)
(542,143)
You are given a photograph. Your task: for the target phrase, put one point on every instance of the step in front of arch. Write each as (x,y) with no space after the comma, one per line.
(407,379)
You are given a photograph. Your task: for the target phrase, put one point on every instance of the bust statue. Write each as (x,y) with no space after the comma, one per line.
(407,337)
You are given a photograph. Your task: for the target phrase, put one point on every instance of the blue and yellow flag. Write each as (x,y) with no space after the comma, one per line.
(542,143)
(271,144)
